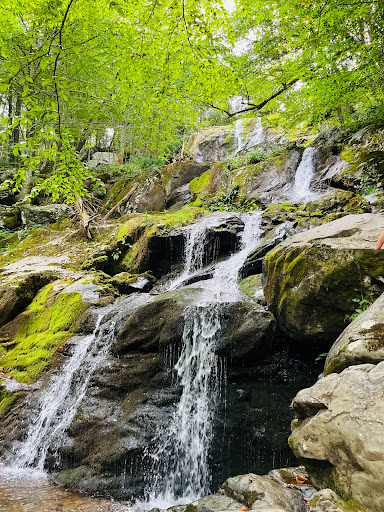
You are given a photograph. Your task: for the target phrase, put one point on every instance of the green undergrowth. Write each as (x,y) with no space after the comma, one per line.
(47,323)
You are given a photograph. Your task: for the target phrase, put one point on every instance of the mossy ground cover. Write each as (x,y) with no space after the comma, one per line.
(49,321)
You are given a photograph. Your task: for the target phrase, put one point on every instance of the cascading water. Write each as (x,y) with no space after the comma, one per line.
(181,462)
(181,472)
(58,404)
(257,134)
(301,190)
(239,135)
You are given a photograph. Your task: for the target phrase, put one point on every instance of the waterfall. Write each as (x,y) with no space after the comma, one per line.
(304,174)
(195,246)
(181,472)
(239,132)
(181,462)
(224,284)
(58,403)
(257,134)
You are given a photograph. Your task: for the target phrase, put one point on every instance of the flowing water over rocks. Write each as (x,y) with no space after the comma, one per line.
(301,190)
(58,404)
(181,471)
(180,453)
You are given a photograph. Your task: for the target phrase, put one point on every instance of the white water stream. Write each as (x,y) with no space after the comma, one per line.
(58,404)
(255,137)
(301,190)
(181,471)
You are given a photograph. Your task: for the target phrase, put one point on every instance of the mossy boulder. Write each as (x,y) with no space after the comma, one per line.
(129,283)
(252,286)
(177,174)
(252,184)
(338,435)
(30,341)
(17,293)
(9,217)
(149,195)
(361,342)
(312,278)
(302,216)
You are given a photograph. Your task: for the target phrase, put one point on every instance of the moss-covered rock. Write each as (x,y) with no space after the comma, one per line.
(180,173)
(30,341)
(32,215)
(17,293)
(312,278)
(252,286)
(9,217)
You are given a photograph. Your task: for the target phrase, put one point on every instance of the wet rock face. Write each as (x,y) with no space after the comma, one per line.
(134,394)
(312,278)
(339,433)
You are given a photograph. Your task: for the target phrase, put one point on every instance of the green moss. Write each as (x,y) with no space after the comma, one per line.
(250,285)
(49,321)
(97,263)
(6,399)
(200,183)
(117,192)
(295,424)
(190,508)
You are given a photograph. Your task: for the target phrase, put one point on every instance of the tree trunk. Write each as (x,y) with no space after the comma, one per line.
(340,115)
(16,129)
(85,219)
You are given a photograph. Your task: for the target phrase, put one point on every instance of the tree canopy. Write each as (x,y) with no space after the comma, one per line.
(73,71)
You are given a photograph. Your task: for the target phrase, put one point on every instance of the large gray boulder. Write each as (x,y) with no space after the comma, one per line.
(48,214)
(278,491)
(149,195)
(102,158)
(339,436)
(264,493)
(312,278)
(361,342)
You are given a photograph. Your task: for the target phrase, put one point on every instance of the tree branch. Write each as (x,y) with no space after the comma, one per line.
(253,107)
